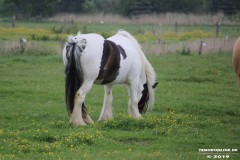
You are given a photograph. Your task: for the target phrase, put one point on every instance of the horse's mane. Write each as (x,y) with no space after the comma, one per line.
(150,74)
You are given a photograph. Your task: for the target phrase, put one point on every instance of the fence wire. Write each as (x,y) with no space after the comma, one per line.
(170,47)
(13,47)
(156,48)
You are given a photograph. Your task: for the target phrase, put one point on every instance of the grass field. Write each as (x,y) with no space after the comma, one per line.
(197,107)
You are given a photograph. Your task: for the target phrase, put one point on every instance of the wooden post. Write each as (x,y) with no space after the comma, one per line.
(13,21)
(63,28)
(217,29)
(175,27)
(21,44)
(72,22)
(159,44)
(200,48)
(61,45)
(153,30)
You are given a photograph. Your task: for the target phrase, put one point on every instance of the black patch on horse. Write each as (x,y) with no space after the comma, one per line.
(122,51)
(155,85)
(110,63)
(144,98)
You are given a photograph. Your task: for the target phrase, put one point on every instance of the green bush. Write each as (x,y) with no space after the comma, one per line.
(185,52)
(45,38)
(56,30)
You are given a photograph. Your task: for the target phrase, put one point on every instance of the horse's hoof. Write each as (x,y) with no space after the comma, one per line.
(78,123)
(89,120)
(104,118)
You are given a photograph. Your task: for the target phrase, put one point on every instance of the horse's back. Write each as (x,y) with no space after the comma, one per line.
(102,63)
(130,65)
(236,58)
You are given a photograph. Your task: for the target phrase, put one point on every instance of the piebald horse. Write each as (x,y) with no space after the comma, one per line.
(90,59)
(236,59)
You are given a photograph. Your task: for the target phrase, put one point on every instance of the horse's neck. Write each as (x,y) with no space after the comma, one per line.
(143,78)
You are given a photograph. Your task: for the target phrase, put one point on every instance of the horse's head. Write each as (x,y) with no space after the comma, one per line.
(144,97)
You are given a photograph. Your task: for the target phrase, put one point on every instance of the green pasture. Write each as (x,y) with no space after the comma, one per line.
(197,107)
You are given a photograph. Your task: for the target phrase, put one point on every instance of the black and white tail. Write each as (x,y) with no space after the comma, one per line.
(73,72)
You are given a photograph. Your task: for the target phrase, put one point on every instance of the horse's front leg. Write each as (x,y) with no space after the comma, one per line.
(133,100)
(79,113)
(107,104)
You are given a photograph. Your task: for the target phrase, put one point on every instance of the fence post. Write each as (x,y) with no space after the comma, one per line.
(153,30)
(175,27)
(217,29)
(200,48)
(63,28)
(72,22)
(61,45)
(159,46)
(13,21)
(21,44)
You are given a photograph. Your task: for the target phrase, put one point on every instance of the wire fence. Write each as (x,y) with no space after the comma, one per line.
(171,47)
(13,47)
(150,48)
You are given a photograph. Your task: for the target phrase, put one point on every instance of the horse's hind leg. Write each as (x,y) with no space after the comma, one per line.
(133,101)
(107,104)
(79,110)
(85,116)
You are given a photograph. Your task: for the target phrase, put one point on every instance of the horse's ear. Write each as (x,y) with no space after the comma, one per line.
(70,39)
(155,85)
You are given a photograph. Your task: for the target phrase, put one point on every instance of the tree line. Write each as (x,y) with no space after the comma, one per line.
(46,8)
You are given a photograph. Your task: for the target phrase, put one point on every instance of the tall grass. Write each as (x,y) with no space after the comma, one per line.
(29,34)
(159,19)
